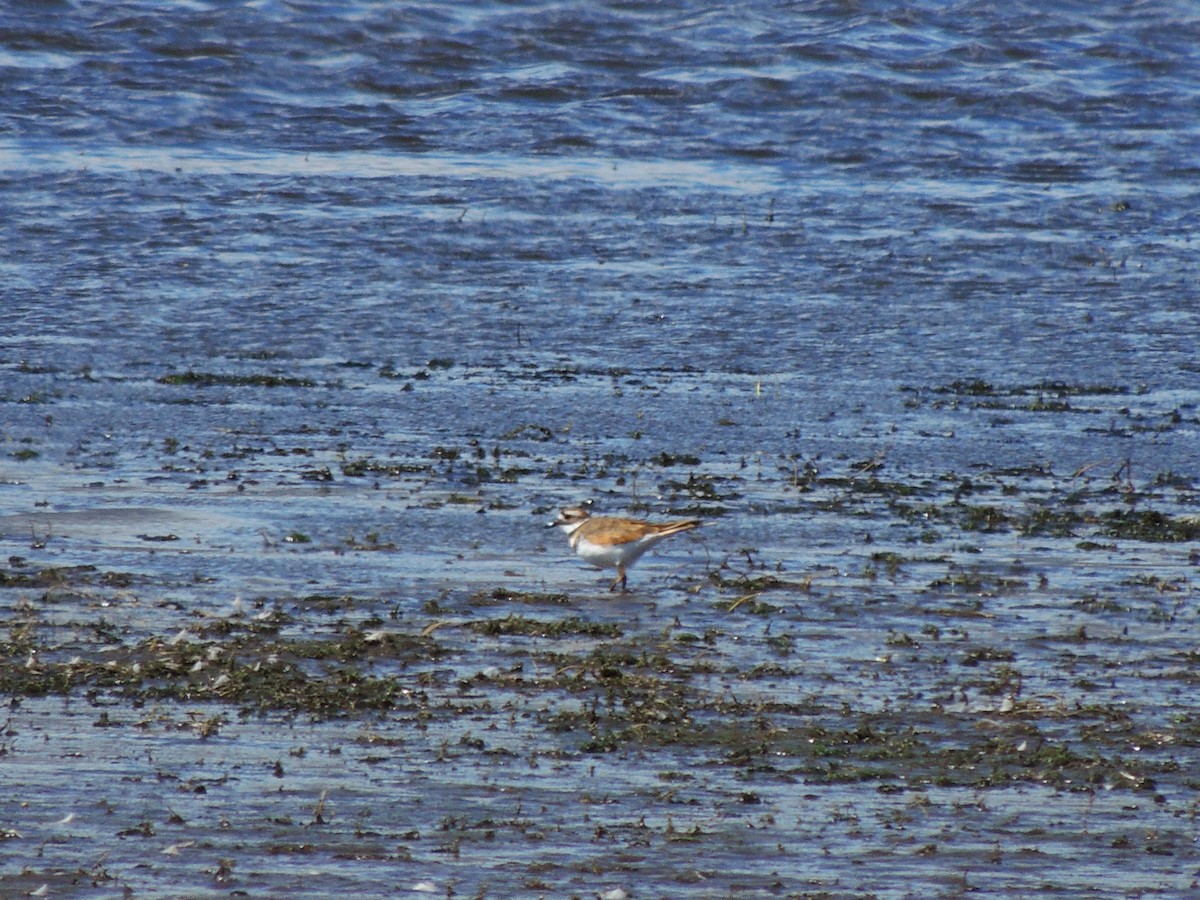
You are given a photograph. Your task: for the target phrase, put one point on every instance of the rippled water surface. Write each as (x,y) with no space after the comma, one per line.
(313,314)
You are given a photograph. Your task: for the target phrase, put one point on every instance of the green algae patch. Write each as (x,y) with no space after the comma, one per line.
(503,595)
(213,379)
(1052,522)
(364,468)
(51,577)
(1128,524)
(977,387)
(558,628)
(252,669)
(1148,525)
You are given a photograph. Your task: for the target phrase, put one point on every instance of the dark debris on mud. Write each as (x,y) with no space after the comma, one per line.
(602,687)
(967,637)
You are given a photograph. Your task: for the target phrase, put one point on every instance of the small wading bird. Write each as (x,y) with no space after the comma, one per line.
(609,542)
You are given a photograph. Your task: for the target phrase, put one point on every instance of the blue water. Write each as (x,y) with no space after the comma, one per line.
(971,180)
(588,235)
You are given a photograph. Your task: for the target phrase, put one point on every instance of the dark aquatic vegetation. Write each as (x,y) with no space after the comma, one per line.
(209,379)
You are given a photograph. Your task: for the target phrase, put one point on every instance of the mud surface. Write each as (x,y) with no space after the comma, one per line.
(235,665)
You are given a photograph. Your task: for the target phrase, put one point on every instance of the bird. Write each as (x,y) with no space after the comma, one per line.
(613,542)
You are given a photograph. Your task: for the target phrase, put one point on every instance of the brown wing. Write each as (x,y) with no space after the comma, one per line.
(610,530)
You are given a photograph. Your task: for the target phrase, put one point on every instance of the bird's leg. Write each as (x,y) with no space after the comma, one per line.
(619,580)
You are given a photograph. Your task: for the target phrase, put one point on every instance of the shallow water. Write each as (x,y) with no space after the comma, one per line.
(313,315)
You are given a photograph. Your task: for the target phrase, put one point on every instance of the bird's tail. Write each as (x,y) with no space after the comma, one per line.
(668,528)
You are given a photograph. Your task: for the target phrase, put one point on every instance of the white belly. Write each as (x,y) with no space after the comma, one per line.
(610,556)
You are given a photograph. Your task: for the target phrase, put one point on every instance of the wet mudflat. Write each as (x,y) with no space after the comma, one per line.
(332,668)
(313,315)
